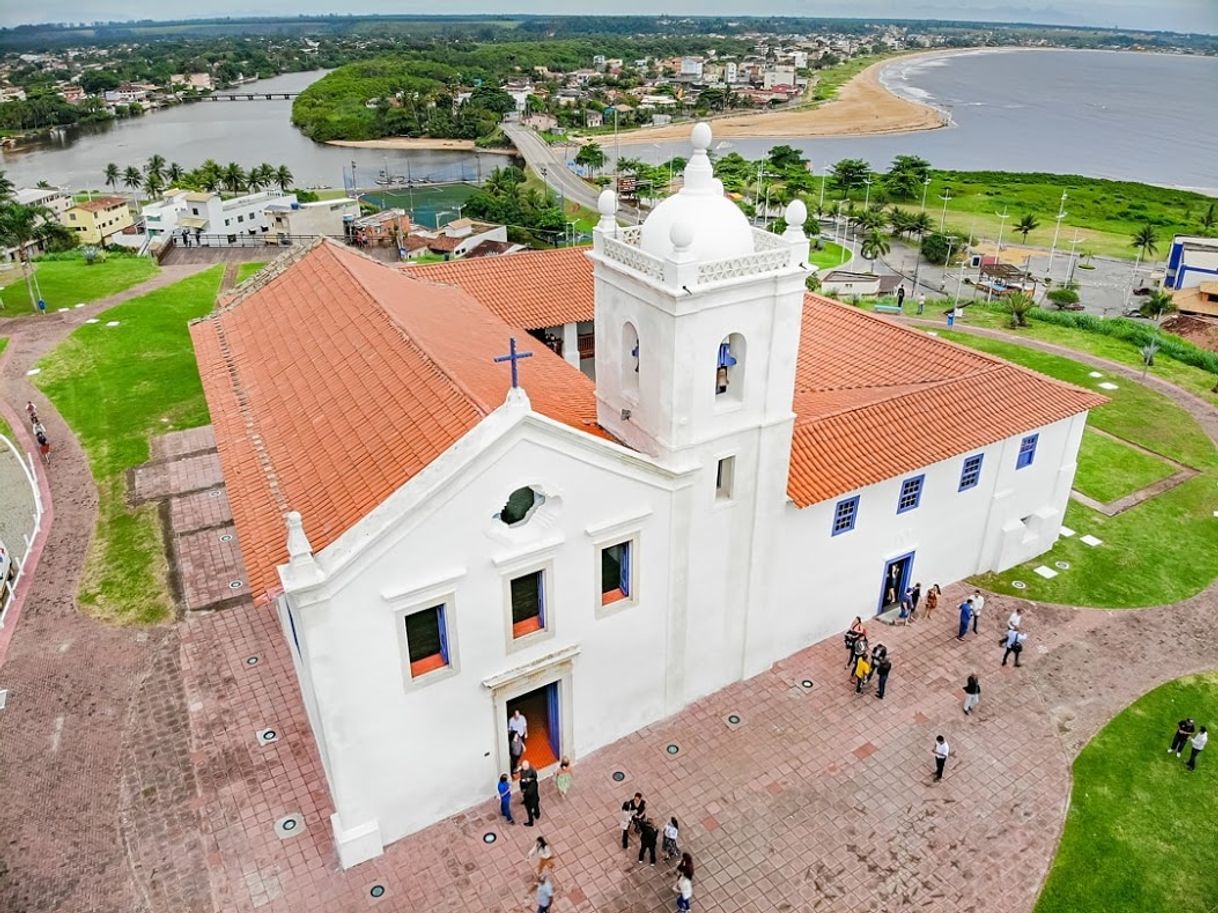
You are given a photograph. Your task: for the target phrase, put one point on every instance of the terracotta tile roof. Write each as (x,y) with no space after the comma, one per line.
(332,379)
(530,289)
(100,204)
(875,400)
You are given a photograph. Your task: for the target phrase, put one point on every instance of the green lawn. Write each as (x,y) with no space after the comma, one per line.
(1164,549)
(1108,469)
(245,270)
(829,256)
(5,429)
(116,386)
(1139,835)
(65,283)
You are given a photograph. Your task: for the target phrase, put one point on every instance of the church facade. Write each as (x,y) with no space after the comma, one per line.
(447,537)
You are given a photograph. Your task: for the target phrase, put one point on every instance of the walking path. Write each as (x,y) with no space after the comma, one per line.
(133,778)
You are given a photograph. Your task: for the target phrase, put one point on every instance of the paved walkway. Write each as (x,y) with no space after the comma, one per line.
(133,779)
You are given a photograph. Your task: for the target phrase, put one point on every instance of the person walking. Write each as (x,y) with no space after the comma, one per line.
(563,779)
(515,749)
(932,599)
(672,832)
(978,604)
(901,296)
(545,857)
(942,750)
(1184,731)
(966,613)
(545,894)
(529,793)
(862,669)
(44,447)
(1014,644)
(686,866)
(1198,744)
(647,840)
(625,817)
(921,302)
(32,411)
(518,722)
(505,798)
(907,606)
(1014,620)
(882,668)
(972,694)
(684,889)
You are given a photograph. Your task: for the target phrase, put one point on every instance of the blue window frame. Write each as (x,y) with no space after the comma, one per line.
(1027,451)
(427,640)
(970,473)
(911,494)
(845,515)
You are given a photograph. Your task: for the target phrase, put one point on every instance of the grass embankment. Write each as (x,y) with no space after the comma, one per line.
(829,256)
(830,80)
(245,270)
(1108,469)
(1139,835)
(5,428)
(1162,550)
(115,387)
(65,283)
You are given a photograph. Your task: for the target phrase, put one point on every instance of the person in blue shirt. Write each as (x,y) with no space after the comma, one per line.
(966,613)
(505,798)
(545,894)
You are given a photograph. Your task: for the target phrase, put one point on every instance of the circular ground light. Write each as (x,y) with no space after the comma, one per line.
(235,584)
(618,776)
(1062,565)
(251,660)
(672,749)
(806,683)
(269,735)
(1019,584)
(489,837)
(289,824)
(227,537)
(378,890)
(733,719)
(214,493)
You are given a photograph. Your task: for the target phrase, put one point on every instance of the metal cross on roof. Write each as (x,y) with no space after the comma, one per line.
(513,356)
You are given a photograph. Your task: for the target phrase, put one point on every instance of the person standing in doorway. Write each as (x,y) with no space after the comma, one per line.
(915,596)
(901,296)
(545,894)
(1184,731)
(942,750)
(906,614)
(562,780)
(515,749)
(932,599)
(505,798)
(882,668)
(978,604)
(972,694)
(1198,745)
(966,613)
(647,840)
(529,793)
(1014,644)
(921,302)
(518,722)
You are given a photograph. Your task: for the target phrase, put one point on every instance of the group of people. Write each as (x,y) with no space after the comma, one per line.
(39,431)
(1188,734)
(864,665)
(634,817)
(901,299)
(523,771)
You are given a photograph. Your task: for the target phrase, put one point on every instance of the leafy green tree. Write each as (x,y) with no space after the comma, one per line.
(787,158)
(1062,297)
(97,81)
(6,187)
(849,174)
(492,98)
(19,229)
(1027,223)
(911,164)
(935,247)
(591,155)
(112,176)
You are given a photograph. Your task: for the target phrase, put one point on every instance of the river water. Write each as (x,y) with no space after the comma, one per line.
(1141,117)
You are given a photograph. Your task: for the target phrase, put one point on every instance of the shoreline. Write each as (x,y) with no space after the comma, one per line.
(419,142)
(864,106)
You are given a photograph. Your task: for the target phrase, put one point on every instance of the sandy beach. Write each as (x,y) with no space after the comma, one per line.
(863,107)
(422,142)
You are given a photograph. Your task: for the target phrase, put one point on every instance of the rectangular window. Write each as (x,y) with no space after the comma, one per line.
(616,583)
(240,218)
(528,604)
(845,514)
(1027,451)
(724,477)
(426,641)
(970,473)
(911,494)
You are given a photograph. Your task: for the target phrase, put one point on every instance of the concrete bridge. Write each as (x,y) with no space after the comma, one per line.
(244,96)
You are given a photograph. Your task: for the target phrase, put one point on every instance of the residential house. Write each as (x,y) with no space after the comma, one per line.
(95,221)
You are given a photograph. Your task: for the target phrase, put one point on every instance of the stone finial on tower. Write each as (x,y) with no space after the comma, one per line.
(302,569)
(298,541)
(606,205)
(795,216)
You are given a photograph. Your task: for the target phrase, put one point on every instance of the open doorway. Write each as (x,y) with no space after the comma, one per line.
(897,574)
(541,709)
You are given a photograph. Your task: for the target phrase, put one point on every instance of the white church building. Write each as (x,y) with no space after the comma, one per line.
(750,468)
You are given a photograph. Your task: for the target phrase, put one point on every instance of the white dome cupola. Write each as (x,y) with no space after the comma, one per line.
(719,229)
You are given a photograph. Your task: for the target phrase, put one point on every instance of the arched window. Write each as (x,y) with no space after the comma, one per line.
(630,360)
(729,367)
(520,506)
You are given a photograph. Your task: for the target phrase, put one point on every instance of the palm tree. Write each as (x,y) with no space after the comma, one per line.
(874,245)
(6,187)
(175,173)
(1208,218)
(921,224)
(153,184)
(209,175)
(1027,223)
(1146,241)
(112,176)
(232,176)
(591,155)
(133,180)
(19,229)
(156,165)
(1018,304)
(253,180)
(1158,305)
(283,177)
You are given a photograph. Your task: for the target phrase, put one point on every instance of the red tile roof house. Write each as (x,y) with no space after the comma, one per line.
(751,467)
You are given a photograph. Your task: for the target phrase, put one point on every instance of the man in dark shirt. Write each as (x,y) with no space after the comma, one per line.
(529,794)
(647,836)
(1184,731)
(882,668)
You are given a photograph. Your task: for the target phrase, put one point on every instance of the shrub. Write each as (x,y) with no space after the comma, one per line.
(1063,297)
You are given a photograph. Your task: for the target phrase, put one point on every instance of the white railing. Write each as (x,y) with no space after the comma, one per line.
(770,253)
(8,591)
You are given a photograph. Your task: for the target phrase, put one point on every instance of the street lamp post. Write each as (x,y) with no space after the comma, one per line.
(925,188)
(945,197)
(1003,216)
(1073,258)
(1061,214)
(820,207)
(867,195)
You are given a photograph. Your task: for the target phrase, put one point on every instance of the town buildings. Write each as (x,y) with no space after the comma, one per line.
(97,221)
(221,220)
(333,218)
(458,523)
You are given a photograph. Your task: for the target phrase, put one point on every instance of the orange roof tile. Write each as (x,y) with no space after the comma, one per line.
(530,289)
(100,204)
(333,379)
